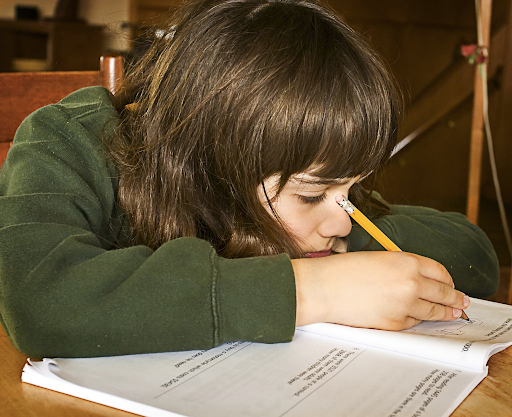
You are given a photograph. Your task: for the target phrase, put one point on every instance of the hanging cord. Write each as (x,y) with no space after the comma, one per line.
(483,73)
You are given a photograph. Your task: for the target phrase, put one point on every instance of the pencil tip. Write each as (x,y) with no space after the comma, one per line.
(464,316)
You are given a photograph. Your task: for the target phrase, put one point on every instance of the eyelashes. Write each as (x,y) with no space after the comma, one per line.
(312,200)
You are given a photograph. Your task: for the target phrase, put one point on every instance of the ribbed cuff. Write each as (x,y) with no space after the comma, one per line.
(253,304)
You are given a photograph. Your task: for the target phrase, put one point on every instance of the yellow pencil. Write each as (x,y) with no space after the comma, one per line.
(367,224)
(372,230)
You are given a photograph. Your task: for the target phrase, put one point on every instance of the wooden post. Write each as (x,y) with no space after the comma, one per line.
(111,70)
(477,129)
(504,125)
(509,298)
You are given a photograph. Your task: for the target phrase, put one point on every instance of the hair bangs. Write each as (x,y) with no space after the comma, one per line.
(327,121)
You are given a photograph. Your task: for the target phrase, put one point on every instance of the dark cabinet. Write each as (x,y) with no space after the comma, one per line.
(49,45)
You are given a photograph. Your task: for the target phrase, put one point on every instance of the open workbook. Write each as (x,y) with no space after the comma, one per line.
(327,370)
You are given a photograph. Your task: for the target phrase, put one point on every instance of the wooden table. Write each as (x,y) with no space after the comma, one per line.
(491,398)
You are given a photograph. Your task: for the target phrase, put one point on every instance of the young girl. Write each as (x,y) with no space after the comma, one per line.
(198,205)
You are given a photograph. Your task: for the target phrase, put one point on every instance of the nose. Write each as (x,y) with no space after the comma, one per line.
(336,222)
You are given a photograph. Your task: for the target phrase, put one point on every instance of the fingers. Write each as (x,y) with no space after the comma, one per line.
(429,295)
(438,300)
(434,270)
(425,310)
(440,293)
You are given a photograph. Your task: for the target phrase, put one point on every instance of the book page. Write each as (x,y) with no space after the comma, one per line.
(313,375)
(458,342)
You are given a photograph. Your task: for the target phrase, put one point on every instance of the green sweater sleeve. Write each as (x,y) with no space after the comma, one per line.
(65,288)
(447,237)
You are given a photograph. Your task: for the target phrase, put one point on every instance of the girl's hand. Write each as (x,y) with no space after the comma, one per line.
(383,290)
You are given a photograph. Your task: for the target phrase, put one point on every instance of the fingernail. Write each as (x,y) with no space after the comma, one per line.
(457,313)
(466,301)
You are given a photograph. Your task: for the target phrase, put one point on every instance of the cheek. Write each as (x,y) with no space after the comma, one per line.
(302,220)
(302,229)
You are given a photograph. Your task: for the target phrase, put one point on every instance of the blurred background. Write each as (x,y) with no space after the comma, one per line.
(420,40)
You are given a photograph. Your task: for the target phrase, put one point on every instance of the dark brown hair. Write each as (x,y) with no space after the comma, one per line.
(233,92)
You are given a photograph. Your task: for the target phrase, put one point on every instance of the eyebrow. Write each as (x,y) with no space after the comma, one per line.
(322,181)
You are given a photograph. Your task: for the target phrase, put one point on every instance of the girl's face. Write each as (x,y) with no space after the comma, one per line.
(307,206)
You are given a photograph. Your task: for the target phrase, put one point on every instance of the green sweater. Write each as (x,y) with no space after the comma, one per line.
(66,289)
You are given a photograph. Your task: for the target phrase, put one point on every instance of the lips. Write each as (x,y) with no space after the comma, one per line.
(319,254)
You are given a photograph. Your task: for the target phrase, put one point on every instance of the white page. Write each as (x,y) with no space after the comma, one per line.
(456,342)
(314,375)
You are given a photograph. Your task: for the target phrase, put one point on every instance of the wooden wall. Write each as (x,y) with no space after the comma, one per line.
(146,12)
(421,42)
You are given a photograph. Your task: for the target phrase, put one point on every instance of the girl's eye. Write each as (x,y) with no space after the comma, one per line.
(312,200)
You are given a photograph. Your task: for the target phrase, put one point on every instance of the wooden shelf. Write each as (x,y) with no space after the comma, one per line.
(60,45)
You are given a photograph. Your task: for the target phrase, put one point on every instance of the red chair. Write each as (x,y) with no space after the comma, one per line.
(24,92)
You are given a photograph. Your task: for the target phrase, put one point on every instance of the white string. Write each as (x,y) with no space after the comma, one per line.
(488,134)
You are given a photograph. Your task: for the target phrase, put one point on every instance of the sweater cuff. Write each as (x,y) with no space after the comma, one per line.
(255,306)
